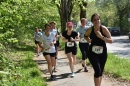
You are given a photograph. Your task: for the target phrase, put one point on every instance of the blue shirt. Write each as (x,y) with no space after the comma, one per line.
(82,31)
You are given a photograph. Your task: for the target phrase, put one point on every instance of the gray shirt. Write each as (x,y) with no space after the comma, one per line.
(82,31)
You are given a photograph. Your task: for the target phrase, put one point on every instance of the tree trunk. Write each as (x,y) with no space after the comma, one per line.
(62,13)
(65,10)
(63,18)
(120,21)
(82,10)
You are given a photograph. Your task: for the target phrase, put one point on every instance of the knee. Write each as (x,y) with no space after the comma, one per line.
(97,74)
(83,58)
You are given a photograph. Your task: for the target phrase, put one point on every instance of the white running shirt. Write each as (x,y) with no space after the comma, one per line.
(46,41)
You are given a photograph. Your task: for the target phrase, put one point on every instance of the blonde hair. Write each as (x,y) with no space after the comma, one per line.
(52,22)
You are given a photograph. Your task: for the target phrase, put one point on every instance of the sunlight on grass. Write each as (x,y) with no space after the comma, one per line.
(118,67)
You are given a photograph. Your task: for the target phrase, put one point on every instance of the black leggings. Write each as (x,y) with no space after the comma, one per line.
(84,50)
(98,62)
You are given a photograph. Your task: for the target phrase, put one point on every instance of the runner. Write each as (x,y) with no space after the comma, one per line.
(98,36)
(37,32)
(83,44)
(69,37)
(48,40)
(57,35)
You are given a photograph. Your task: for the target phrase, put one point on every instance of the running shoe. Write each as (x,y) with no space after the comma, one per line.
(38,55)
(52,77)
(85,69)
(72,74)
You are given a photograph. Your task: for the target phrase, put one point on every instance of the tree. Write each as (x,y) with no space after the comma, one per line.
(115,12)
(83,6)
(65,9)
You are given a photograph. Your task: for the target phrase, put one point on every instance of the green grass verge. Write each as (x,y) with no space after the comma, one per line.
(19,69)
(118,67)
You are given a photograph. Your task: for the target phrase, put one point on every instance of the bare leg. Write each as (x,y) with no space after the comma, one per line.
(56,59)
(100,80)
(84,63)
(74,59)
(48,59)
(53,60)
(69,56)
(37,49)
(97,81)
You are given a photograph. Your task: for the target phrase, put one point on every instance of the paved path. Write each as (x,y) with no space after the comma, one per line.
(120,46)
(81,78)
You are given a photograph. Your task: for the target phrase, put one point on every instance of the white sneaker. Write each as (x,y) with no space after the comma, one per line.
(40,53)
(72,74)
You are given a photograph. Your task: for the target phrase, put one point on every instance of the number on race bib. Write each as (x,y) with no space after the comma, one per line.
(70,44)
(97,49)
(47,50)
(82,40)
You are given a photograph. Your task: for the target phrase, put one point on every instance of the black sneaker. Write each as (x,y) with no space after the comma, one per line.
(85,69)
(52,77)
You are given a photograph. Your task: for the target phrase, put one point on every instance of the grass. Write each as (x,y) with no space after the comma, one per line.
(18,68)
(118,67)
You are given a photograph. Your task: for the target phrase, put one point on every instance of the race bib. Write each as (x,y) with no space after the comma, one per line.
(97,49)
(46,50)
(70,44)
(82,40)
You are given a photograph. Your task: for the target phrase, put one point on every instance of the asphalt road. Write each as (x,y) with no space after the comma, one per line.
(120,46)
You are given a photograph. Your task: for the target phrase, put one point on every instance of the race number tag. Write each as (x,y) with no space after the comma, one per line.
(97,49)
(82,40)
(70,44)
(47,50)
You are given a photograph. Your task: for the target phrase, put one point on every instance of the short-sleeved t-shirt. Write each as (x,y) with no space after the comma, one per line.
(73,35)
(47,41)
(82,31)
(37,34)
(54,31)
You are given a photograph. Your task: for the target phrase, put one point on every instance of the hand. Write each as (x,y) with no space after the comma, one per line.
(66,40)
(52,43)
(57,36)
(41,47)
(71,39)
(99,35)
(89,40)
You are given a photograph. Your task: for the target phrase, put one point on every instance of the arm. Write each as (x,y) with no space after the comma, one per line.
(54,40)
(77,38)
(87,34)
(52,43)
(40,45)
(64,39)
(107,34)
